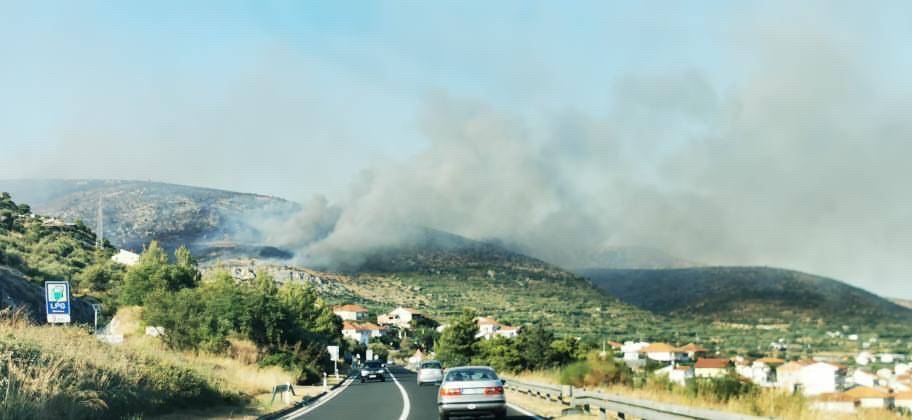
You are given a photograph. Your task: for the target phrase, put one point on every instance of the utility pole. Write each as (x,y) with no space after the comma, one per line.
(99,230)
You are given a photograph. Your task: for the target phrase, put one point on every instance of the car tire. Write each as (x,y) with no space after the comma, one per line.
(362,380)
(382,379)
(443,415)
(500,414)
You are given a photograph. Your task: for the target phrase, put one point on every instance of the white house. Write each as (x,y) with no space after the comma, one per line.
(632,350)
(821,378)
(676,374)
(788,376)
(834,401)
(351,312)
(868,397)
(711,368)
(489,328)
(901,368)
(400,317)
(694,351)
(126,258)
(663,352)
(361,332)
(508,331)
(763,371)
(903,399)
(864,358)
(864,378)
(891,357)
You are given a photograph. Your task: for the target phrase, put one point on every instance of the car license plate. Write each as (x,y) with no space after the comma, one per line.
(472,391)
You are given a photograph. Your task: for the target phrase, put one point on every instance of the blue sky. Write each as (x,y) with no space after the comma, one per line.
(716,130)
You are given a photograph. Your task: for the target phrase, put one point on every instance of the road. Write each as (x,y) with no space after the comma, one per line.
(384,401)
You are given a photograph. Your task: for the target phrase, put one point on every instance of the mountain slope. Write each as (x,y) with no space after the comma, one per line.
(747,294)
(137,212)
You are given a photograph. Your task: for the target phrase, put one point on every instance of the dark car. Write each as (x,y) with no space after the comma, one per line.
(372,370)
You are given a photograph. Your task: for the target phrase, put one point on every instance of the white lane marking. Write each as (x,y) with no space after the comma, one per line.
(303,411)
(523,411)
(406,404)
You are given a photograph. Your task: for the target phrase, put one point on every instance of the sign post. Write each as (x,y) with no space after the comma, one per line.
(97,308)
(334,356)
(57,301)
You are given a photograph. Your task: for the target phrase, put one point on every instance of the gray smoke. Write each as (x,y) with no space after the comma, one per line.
(801,165)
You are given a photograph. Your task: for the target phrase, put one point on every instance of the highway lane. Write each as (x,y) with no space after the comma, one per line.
(384,401)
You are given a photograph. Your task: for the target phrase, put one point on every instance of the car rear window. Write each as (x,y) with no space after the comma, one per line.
(463,375)
(373,365)
(430,365)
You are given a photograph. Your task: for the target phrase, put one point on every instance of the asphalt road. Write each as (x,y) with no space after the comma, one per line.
(384,401)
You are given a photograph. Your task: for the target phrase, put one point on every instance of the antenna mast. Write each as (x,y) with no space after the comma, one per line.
(99,230)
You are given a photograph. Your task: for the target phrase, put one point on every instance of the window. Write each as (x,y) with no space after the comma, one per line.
(430,365)
(464,375)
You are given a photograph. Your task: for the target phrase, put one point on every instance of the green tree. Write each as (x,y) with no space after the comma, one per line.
(457,344)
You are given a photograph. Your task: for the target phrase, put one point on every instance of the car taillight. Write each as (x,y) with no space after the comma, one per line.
(450,392)
(494,390)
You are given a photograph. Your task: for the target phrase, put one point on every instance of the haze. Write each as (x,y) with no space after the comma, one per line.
(755,133)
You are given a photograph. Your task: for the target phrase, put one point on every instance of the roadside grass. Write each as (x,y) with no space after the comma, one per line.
(65,372)
(767,402)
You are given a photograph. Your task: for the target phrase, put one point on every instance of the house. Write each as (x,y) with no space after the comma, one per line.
(676,374)
(890,357)
(868,397)
(400,317)
(632,350)
(864,358)
(663,352)
(351,312)
(834,401)
(361,332)
(901,368)
(903,399)
(788,376)
(126,258)
(763,371)
(486,327)
(821,378)
(711,368)
(508,331)
(694,351)
(864,378)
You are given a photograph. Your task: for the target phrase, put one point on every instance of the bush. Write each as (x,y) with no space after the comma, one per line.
(596,370)
(719,389)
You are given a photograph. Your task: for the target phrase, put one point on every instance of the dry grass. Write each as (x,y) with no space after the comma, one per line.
(768,403)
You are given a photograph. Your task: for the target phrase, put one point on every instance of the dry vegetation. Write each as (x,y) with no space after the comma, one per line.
(767,403)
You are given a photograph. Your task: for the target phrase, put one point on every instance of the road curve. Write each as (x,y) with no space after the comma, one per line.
(384,401)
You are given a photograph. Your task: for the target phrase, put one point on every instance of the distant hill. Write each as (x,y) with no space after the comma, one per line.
(903,302)
(747,294)
(137,212)
(616,257)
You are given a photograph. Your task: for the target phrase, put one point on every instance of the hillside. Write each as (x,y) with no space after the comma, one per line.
(903,302)
(443,273)
(747,294)
(137,212)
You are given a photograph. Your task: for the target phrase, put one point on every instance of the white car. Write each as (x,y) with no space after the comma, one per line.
(430,372)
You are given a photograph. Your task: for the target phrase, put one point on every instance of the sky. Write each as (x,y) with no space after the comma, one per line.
(761,133)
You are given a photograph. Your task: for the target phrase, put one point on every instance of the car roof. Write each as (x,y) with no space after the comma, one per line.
(470,367)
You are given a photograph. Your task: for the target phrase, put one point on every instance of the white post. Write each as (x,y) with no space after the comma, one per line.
(288,393)
(324,382)
(336,369)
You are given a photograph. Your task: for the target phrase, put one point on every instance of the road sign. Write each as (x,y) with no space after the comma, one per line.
(57,301)
(333,353)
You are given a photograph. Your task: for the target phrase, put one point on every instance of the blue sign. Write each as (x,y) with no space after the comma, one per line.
(57,301)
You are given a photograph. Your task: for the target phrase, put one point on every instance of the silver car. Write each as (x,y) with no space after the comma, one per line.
(471,390)
(430,372)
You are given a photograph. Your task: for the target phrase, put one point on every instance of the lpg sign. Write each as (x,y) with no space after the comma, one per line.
(57,299)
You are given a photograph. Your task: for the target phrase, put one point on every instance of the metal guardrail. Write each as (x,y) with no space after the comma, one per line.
(621,406)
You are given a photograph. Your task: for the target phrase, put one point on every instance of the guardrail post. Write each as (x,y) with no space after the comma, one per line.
(603,414)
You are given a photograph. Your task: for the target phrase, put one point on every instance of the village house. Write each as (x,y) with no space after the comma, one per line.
(488,328)
(663,352)
(788,376)
(507,331)
(902,368)
(676,374)
(711,368)
(834,401)
(632,351)
(361,332)
(868,397)
(903,399)
(400,317)
(351,312)
(694,351)
(763,371)
(864,358)
(821,377)
(126,258)
(864,378)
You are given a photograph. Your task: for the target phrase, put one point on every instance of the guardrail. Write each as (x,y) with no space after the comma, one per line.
(623,407)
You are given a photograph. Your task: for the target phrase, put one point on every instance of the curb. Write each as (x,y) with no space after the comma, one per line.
(297,406)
